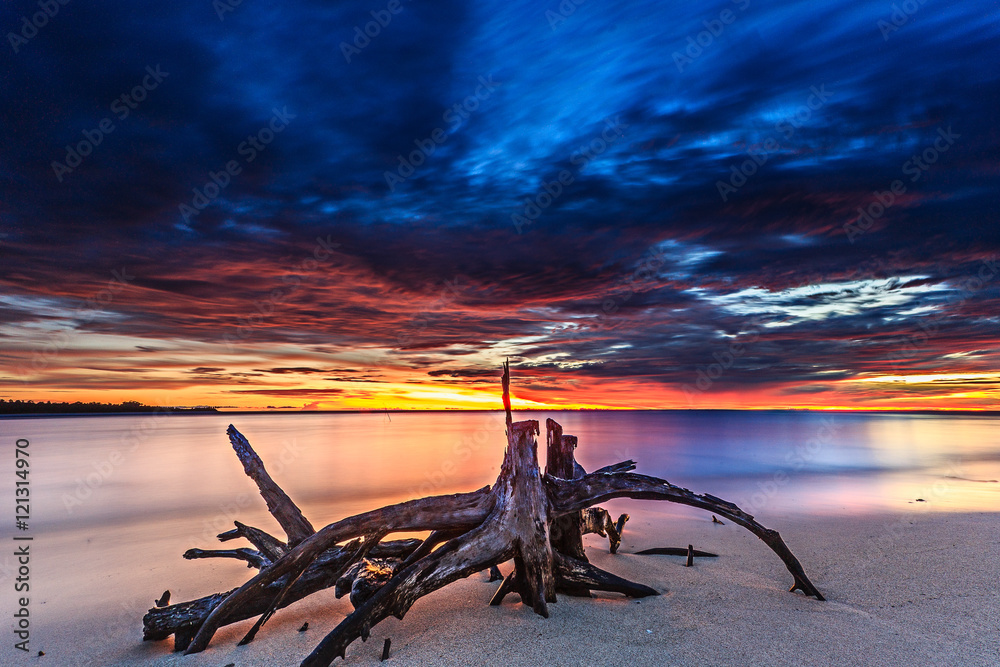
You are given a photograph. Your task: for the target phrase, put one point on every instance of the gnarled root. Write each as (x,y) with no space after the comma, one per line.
(538,520)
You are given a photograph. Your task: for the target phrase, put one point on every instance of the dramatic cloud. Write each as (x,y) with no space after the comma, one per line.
(640,204)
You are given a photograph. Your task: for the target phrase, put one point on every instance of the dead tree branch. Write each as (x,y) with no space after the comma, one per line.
(535,519)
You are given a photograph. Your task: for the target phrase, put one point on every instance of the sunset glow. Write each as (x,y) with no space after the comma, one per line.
(791,218)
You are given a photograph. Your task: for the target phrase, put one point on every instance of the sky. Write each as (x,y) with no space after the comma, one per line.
(370,205)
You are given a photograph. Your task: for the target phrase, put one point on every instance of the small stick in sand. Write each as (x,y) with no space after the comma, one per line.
(690,560)
(385,650)
(674,551)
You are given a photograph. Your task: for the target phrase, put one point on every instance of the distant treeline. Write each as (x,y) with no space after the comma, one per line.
(48,407)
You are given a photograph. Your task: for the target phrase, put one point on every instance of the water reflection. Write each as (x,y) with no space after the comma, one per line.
(94,470)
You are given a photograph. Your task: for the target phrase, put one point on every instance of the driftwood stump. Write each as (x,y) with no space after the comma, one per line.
(535,519)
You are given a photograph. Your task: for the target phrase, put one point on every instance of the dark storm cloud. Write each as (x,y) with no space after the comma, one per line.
(289,392)
(300,369)
(468,373)
(621,271)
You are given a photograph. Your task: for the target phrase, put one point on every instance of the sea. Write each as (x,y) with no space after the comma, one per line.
(116,499)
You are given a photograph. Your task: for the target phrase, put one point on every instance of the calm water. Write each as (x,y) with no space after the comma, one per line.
(95,470)
(117,499)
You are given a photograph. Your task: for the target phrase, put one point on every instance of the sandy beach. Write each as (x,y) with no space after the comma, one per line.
(282,282)
(917,587)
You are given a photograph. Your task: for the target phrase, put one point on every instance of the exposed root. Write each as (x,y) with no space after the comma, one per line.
(535,519)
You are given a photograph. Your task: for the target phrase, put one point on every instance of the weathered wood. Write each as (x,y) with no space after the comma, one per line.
(505,384)
(435,538)
(346,580)
(517,526)
(456,511)
(371,576)
(266,543)
(567,531)
(455,560)
(187,617)
(526,506)
(394,548)
(161,622)
(558,461)
(385,650)
(507,586)
(585,575)
(366,546)
(253,558)
(597,520)
(624,466)
(281,507)
(567,497)
(675,551)
(386,554)
(690,556)
(619,531)
(520,517)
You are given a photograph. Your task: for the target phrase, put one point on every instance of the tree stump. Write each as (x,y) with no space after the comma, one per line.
(535,519)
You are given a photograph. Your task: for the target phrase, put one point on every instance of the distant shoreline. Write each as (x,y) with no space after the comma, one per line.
(216,412)
(10,408)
